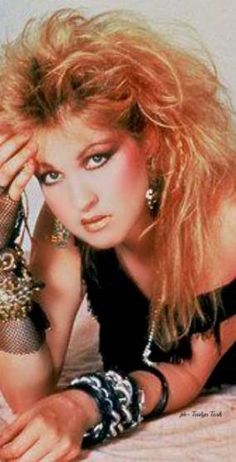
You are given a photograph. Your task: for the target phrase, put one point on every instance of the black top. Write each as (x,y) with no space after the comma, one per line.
(122,312)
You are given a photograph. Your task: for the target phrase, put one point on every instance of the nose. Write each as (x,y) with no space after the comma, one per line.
(81,195)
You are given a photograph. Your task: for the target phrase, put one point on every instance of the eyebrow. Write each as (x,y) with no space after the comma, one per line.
(46,165)
(42,167)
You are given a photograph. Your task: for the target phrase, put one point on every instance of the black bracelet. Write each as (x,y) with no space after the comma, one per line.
(162,403)
(104,409)
(119,401)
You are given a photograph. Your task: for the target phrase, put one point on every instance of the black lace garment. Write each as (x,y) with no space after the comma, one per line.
(122,312)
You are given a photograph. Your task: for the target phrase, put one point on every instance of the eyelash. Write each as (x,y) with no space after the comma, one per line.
(105,156)
(43,178)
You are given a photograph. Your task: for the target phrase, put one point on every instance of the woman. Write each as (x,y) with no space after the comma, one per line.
(135,154)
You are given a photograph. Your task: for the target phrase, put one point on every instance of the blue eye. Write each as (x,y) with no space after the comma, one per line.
(50,178)
(97,160)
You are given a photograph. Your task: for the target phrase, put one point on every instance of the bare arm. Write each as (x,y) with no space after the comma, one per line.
(60,270)
(29,377)
(186,380)
(26,378)
(26,372)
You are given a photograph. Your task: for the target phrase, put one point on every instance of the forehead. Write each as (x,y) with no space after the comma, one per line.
(73,133)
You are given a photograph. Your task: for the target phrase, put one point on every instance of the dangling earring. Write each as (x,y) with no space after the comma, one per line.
(155,188)
(152,200)
(60,235)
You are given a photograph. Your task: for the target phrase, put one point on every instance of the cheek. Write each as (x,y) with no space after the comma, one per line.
(126,178)
(57,203)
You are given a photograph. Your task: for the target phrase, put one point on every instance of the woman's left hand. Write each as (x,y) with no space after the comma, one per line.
(52,430)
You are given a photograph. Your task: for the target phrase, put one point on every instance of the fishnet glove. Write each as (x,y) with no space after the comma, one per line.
(9,214)
(26,335)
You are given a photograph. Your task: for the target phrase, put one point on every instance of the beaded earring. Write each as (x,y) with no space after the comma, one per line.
(60,235)
(155,187)
(152,200)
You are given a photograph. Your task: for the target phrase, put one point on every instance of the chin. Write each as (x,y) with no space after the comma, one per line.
(103,243)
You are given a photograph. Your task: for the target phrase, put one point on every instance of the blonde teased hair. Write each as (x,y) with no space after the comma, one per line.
(120,72)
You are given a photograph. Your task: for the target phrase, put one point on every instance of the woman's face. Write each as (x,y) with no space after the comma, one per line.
(94,181)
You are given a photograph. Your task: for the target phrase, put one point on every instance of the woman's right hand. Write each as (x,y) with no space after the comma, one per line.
(17,166)
(51,430)
(17,163)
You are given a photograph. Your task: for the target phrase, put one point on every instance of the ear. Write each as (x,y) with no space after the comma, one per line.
(151,141)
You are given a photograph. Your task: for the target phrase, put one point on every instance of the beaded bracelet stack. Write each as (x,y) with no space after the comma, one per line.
(22,321)
(16,285)
(119,401)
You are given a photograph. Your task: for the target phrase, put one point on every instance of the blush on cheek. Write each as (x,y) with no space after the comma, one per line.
(132,169)
(125,189)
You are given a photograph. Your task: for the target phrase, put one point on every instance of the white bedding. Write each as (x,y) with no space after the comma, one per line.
(207,433)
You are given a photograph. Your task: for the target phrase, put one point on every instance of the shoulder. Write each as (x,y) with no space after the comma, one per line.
(206,353)
(219,265)
(227,232)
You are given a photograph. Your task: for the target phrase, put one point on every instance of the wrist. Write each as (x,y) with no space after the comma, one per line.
(11,212)
(85,405)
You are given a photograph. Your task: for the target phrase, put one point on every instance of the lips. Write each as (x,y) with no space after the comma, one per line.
(92,219)
(95,223)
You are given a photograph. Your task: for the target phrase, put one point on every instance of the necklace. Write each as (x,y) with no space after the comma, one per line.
(147,349)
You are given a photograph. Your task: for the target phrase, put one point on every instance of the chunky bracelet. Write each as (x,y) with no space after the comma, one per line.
(119,402)
(16,285)
(22,321)
(92,384)
(162,403)
(130,402)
